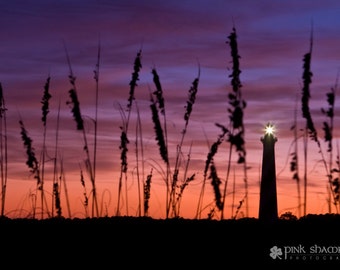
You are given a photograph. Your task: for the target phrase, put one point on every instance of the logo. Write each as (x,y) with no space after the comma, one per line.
(304,253)
(276,252)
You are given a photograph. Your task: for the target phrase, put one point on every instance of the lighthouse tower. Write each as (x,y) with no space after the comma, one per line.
(268,196)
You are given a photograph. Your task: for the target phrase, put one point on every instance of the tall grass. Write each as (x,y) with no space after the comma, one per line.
(32,162)
(3,150)
(96,78)
(335,185)
(328,127)
(309,130)
(160,138)
(209,164)
(124,141)
(294,163)
(175,187)
(75,109)
(45,110)
(58,177)
(236,136)
(38,167)
(147,193)
(181,187)
(176,181)
(86,199)
(157,110)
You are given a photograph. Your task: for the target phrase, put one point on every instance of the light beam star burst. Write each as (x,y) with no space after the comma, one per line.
(269,129)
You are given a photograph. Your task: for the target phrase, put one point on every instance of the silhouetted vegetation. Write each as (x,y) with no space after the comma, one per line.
(176,181)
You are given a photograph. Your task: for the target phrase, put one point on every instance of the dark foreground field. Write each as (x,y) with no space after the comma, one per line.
(146,243)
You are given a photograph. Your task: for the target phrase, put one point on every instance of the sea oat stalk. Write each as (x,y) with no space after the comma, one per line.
(236,115)
(74,102)
(328,127)
(124,141)
(96,78)
(31,161)
(45,110)
(159,108)
(189,107)
(294,163)
(3,150)
(147,189)
(139,158)
(86,200)
(310,130)
(210,158)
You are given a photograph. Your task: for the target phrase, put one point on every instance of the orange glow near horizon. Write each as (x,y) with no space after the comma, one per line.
(20,201)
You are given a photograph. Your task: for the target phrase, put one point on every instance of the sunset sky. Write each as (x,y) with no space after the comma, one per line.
(179,39)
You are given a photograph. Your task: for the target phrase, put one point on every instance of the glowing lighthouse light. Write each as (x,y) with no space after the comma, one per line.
(269,129)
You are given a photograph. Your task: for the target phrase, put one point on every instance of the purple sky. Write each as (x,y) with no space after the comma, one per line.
(176,37)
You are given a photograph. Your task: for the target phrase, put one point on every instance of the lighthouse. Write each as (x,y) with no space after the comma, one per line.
(268,196)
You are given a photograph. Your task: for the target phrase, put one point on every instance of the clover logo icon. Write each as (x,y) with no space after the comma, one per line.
(275,252)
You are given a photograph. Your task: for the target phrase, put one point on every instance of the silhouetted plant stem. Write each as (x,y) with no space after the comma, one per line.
(183,185)
(237,130)
(45,110)
(158,107)
(123,169)
(294,164)
(124,141)
(147,188)
(56,195)
(216,182)
(96,77)
(139,159)
(63,181)
(56,182)
(32,161)
(3,150)
(239,206)
(86,200)
(226,181)
(310,130)
(233,196)
(162,148)
(210,157)
(80,126)
(189,106)
(333,183)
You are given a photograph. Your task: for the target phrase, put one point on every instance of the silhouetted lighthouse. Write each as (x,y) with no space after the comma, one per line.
(268,196)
